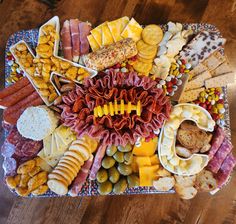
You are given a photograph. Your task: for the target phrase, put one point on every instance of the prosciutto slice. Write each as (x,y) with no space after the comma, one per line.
(97,161)
(75,37)
(216,141)
(227,167)
(66,40)
(84,30)
(221,154)
(81,177)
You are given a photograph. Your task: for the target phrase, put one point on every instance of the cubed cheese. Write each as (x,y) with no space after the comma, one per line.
(146,148)
(147,175)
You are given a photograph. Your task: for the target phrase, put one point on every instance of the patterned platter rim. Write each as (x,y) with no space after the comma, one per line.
(90,187)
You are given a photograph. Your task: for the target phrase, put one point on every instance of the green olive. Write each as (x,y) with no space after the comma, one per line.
(102,175)
(120,186)
(111,150)
(105,188)
(126,148)
(119,157)
(133,180)
(124,169)
(114,175)
(128,157)
(108,162)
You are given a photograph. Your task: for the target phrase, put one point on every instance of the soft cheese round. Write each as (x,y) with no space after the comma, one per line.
(37,123)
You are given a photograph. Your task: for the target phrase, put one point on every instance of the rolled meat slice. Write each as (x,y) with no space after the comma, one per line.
(97,161)
(215,164)
(84,31)
(74,31)
(11,114)
(12,99)
(14,87)
(227,167)
(216,141)
(81,177)
(66,40)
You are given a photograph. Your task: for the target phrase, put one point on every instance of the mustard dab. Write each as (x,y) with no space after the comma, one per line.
(115,109)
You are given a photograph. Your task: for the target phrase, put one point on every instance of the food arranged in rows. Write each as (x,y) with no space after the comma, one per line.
(117,108)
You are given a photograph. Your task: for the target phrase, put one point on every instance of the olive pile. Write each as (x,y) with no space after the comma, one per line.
(116,171)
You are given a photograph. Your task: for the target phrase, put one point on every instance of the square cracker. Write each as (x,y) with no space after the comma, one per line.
(222,69)
(190,95)
(221,80)
(214,60)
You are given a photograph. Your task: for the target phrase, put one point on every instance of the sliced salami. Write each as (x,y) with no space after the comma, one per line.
(81,177)
(216,141)
(9,165)
(215,164)
(227,167)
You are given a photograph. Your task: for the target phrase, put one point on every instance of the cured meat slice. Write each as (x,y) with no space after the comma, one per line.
(84,30)
(7,149)
(14,87)
(97,161)
(17,96)
(81,177)
(66,40)
(227,167)
(74,30)
(216,141)
(11,114)
(9,165)
(219,157)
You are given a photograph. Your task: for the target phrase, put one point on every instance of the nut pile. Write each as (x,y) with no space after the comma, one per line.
(115,175)
(30,178)
(213,101)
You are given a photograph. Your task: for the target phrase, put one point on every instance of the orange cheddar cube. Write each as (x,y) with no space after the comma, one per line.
(147,174)
(139,161)
(146,148)
(154,159)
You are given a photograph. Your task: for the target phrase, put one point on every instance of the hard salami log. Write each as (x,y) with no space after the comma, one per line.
(97,161)
(81,177)
(216,141)
(227,167)
(12,99)
(14,87)
(219,157)
(11,114)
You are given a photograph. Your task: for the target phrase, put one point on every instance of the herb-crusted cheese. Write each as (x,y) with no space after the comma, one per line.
(37,123)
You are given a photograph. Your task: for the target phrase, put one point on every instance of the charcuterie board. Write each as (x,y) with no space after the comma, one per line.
(90,186)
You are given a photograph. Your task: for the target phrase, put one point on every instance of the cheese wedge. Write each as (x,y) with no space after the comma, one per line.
(61,146)
(132,30)
(117,26)
(47,145)
(93,43)
(107,38)
(97,34)
(65,134)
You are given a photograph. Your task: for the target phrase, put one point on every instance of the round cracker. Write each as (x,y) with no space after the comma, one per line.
(144,59)
(152,34)
(66,166)
(57,186)
(67,173)
(70,159)
(146,56)
(83,142)
(83,151)
(142,67)
(76,155)
(71,164)
(146,49)
(58,177)
(63,174)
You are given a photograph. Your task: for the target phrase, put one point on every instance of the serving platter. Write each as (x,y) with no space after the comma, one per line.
(90,187)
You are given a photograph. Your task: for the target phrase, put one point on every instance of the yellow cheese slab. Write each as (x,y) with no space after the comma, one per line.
(97,34)
(154,159)
(132,30)
(146,148)
(139,161)
(147,175)
(117,26)
(93,43)
(107,38)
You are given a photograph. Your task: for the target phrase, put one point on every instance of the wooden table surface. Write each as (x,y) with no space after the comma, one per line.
(163,208)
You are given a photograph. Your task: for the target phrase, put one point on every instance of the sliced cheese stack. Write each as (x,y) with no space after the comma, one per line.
(70,164)
(56,144)
(110,32)
(146,162)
